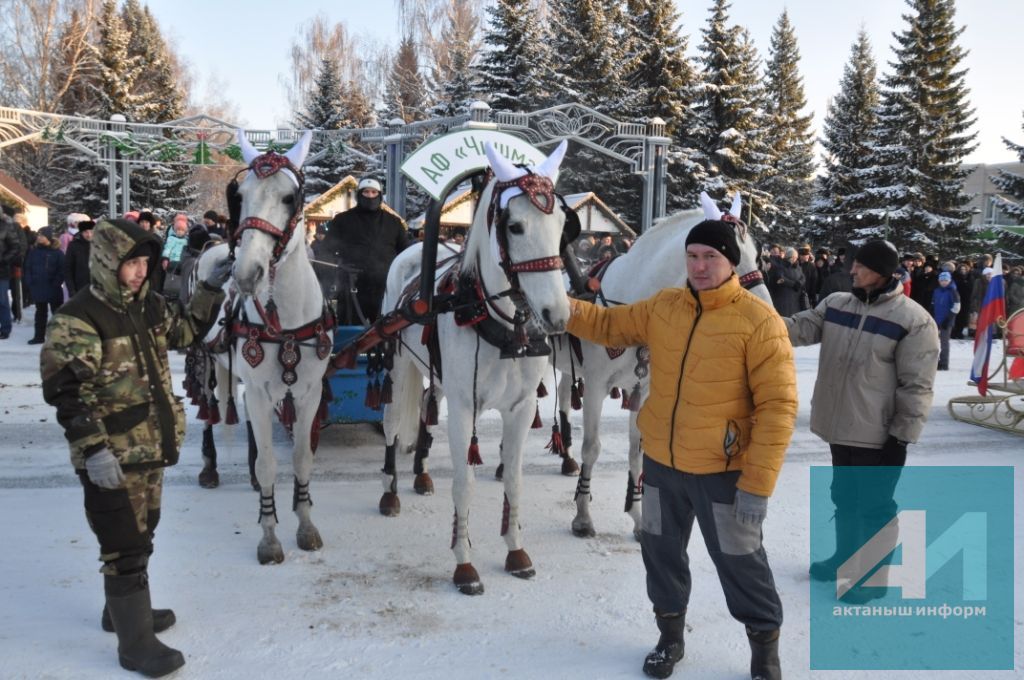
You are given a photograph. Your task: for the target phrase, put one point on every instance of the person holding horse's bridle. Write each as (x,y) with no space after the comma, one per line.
(104,367)
(715,428)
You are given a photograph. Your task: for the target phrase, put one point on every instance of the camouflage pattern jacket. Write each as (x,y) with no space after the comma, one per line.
(104,364)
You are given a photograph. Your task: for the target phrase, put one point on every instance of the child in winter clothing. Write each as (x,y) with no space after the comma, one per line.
(945,306)
(44,276)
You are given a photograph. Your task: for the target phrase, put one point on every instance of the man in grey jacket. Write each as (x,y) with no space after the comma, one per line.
(879,352)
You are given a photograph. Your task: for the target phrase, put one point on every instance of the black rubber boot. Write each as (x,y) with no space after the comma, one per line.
(825,570)
(764,654)
(131,612)
(669,651)
(162,620)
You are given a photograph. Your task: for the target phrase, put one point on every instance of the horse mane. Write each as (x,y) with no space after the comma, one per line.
(478,241)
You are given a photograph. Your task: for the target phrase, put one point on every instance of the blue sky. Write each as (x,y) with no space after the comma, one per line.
(245,46)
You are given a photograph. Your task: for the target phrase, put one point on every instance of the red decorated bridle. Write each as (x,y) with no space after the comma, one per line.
(541,192)
(264,166)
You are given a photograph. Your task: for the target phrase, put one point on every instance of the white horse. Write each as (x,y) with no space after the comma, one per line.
(273,332)
(657,260)
(512,257)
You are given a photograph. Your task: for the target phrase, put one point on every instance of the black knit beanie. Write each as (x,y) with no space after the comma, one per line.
(718,235)
(879,256)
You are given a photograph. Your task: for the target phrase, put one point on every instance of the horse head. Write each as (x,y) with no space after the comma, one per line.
(271,198)
(749,267)
(526,219)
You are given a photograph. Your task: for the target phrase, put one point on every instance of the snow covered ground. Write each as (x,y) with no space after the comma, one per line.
(377,601)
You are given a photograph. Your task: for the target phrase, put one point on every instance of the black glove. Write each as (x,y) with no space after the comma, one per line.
(894,452)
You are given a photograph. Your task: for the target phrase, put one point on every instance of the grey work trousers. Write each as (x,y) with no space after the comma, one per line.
(671,501)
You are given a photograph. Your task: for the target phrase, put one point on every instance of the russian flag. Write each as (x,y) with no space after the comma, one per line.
(993,308)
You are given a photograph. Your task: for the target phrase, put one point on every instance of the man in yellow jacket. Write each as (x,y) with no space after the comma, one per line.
(715,428)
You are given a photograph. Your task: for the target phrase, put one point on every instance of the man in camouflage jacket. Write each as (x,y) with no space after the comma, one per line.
(105,368)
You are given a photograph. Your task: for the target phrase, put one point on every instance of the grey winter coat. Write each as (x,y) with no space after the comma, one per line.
(876,369)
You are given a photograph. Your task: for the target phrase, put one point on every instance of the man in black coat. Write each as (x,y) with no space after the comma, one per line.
(76,260)
(811,283)
(789,284)
(364,241)
(12,253)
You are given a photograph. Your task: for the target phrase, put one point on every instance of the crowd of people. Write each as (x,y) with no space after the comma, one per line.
(715,462)
(44,268)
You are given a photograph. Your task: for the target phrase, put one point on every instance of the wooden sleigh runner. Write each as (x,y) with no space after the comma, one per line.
(1003,407)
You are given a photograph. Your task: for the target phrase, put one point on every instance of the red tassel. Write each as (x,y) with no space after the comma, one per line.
(634,398)
(615,393)
(555,445)
(231,417)
(368,399)
(625,401)
(214,413)
(204,410)
(321,412)
(288,411)
(431,409)
(542,390)
(425,335)
(576,398)
(474,452)
(386,392)
(537,424)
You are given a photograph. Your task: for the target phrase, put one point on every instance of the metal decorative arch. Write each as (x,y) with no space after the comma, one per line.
(119,145)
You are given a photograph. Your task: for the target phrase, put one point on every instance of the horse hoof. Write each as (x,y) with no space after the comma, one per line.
(309,540)
(423,484)
(569,467)
(467,580)
(519,565)
(270,553)
(209,478)
(583,531)
(390,506)
(499,472)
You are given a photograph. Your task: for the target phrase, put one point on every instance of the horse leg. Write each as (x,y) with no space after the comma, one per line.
(208,476)
(423,484)
(269,549)
(407,389)
(515,425)
(466,578)
(253,451)
(569,466)
(307,536)
(634,490)
(582,523)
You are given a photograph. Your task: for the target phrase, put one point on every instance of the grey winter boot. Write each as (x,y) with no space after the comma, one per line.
(131,612)
(669,650)
(764,655)
(162,620)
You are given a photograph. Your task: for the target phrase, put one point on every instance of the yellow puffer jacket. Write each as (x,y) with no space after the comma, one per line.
(723,382)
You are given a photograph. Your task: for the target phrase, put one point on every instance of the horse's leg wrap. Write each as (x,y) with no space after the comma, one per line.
(583,488)
(267,506)
(634,493)
(300,494)
(390,505)
(423,484)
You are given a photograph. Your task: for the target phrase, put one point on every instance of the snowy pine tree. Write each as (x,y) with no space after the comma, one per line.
(516,59)
(323,112)
(405,96)
(790,180)
(847,139)
(163,187)
(660,81)
(454,75)
(586,36)
(923,135)
(730,125)
(1011,201)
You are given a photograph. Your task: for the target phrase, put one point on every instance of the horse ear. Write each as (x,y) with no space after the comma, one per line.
(711,211)
(249,152)
(549,168)
(297,154)
(736,209)
(503,168)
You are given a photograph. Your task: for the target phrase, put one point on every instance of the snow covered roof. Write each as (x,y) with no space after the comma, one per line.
(323,206)
(17,193)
